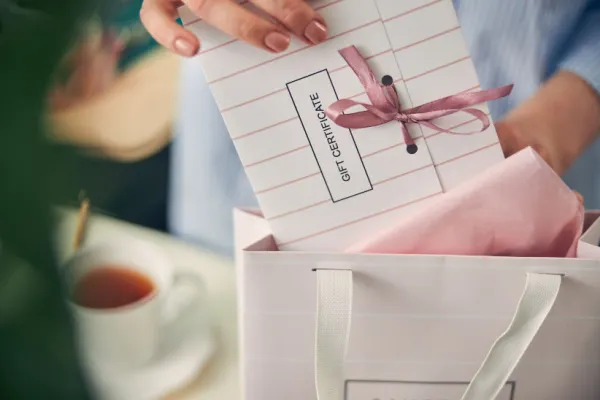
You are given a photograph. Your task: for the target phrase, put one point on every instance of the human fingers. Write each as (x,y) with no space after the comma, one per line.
(296,15)
(96,67)
(158,17)
(239,22)
(58,99)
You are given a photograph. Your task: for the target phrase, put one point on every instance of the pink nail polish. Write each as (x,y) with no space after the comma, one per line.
(315,32)
(277,41)
(184,48)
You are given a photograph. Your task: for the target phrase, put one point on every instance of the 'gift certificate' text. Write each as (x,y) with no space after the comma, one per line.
(335,151)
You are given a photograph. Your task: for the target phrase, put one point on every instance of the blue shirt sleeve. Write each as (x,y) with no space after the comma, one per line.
(582,56)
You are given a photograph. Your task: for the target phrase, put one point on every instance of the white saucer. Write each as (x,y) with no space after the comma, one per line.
(188,344)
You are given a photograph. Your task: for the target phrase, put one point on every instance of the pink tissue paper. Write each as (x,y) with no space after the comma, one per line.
(520,207)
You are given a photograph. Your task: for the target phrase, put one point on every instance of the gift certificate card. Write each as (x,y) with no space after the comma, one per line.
(322,186)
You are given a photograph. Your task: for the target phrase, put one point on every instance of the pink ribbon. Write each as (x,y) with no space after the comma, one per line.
(385,104)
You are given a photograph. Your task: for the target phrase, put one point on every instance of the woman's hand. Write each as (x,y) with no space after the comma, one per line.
(92,69)
(560,121)
(288,17)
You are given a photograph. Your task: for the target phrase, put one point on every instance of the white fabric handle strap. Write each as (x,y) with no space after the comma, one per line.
(334,314)
(541,291)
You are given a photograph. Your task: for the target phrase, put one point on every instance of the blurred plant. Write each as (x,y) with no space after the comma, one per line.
(38,357)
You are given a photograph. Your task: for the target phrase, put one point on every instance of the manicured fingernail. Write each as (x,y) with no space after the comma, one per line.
(184,47)
(315,32)
(277,41)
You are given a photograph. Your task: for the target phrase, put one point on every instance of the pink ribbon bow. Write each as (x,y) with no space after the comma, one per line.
(385,104)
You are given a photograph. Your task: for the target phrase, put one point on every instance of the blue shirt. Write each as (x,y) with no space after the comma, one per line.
(511,41)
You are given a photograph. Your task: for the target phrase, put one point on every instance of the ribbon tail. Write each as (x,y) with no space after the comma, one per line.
(478,114)
(376,93)
(359,65)
(408,140)
(462,100)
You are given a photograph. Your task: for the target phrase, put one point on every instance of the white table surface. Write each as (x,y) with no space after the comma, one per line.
(220,379)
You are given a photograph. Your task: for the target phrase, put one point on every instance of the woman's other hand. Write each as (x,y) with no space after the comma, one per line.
(560,121)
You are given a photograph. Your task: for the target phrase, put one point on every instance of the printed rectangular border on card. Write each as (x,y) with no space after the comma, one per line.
(334,148)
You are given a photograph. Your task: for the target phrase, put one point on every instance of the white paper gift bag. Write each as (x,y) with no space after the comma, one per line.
(364,327)
(590,240)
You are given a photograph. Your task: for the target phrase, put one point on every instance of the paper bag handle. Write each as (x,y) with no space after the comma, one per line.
(334,314)
(334,317)
(539,295)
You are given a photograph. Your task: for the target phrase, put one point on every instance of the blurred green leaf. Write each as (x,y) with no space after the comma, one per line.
(38,359)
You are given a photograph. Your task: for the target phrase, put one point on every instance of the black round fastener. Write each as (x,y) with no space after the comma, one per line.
(412,148)
(387,80)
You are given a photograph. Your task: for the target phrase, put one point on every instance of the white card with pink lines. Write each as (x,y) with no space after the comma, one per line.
(323,187)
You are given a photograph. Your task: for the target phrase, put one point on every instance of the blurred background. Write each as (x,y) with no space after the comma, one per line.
(112,103)
(87,105)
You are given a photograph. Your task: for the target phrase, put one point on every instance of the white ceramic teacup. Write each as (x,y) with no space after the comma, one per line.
(129,335)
